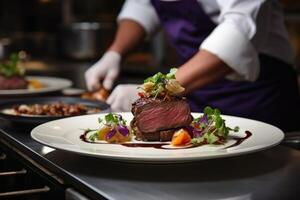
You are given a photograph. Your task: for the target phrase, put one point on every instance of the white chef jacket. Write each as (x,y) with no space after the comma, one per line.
(244,29)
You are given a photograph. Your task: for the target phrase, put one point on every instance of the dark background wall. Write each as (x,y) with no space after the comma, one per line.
(33,24)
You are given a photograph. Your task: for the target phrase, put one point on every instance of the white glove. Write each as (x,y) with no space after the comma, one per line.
(122,97)
(106,69)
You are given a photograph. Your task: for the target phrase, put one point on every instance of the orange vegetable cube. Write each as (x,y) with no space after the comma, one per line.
(181,138)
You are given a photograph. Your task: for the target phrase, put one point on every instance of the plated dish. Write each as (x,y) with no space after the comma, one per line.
(13,80)
(65,134)
(208,128)
(12,74)
(44,109)
(160,128)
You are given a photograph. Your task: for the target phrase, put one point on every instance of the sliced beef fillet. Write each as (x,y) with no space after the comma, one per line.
(153,136)
(164,115)
(156,119)
(137,106)
(15,82)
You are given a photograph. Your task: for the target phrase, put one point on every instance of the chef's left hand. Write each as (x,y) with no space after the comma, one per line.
(122,97)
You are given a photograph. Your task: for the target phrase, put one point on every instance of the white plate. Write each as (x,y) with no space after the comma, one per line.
(52,84)
(65,134)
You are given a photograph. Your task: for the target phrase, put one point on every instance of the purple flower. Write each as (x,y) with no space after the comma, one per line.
(111,134)
(123,130)
(203,120)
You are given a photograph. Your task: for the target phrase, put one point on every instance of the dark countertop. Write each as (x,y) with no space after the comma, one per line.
(270,174)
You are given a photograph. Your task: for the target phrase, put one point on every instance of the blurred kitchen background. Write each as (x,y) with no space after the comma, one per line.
(64,37)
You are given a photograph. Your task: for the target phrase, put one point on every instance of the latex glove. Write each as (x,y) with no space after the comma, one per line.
(122,97)
(106,69)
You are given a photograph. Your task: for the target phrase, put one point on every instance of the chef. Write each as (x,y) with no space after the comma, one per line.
(234,55)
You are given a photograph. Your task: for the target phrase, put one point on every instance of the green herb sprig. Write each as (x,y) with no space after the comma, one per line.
(112,119)
(212,127)
(10,68)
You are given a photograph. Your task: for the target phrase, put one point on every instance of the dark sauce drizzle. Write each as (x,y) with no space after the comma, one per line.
(238,141)
(154,145)
(83,138)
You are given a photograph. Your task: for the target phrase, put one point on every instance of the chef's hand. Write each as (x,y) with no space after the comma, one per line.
(122,97)
(106,69)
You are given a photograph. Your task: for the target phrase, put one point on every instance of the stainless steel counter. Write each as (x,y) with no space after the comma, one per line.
(270,174)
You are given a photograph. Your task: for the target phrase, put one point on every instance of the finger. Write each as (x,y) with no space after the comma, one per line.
(93,84)
(110,78)
(122,103)
(116,101)
(118,107)
(114,104)
(115,108)
(110,100)
(87,80)
(91,80)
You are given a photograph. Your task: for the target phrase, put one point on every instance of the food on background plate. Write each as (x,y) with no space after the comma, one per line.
(35,84)
(113,129)
(53,109)
(161,108)
(12,76)
(100,95)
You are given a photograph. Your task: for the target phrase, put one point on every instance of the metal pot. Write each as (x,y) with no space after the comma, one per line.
(5,47)
(85,40)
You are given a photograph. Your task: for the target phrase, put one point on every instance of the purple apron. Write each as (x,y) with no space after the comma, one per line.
(273,98)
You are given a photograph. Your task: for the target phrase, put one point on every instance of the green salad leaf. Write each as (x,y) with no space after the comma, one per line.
(210,128)
(11,68)
(93,137)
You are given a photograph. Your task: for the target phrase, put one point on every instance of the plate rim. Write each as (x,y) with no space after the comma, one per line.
(164,160)
(67,83)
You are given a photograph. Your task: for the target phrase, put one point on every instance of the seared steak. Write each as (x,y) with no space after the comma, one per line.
(14,82)
(153,136)
(156,119)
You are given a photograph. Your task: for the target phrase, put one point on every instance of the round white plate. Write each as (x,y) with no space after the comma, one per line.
(52,84)
(65,134)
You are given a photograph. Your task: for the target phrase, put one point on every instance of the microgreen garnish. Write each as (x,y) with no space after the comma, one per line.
(93,137)
(113,119)
(171,74)
(162,85)
(210,128)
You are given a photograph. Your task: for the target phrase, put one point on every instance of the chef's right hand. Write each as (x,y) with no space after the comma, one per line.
(106,69)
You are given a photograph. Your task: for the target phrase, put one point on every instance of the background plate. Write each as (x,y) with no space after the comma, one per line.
(43,100)
(64,134)
(52,84)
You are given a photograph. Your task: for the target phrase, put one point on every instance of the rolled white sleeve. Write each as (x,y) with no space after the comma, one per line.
(231,39)
(142,12)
